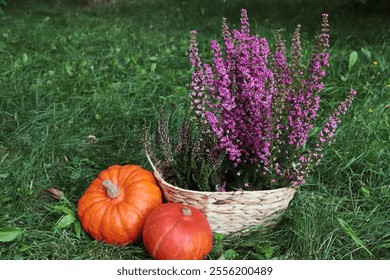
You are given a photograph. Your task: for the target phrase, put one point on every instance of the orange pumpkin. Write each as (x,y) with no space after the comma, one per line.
(115,206)
(174,231)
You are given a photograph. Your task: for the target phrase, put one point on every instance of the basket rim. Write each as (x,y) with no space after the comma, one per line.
(208,193)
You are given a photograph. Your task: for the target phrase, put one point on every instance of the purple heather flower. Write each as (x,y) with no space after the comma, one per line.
(198,78)
(259,112)
(304,102)
(296,49)
(281,68)
(223,187)
(329,129)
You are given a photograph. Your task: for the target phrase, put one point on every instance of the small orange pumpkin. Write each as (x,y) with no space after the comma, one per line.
(174,231)
(115,206)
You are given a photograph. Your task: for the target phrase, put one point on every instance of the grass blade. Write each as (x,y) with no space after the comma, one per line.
(347,228)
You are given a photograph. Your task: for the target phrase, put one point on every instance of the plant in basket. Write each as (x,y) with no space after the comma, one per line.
(244,146)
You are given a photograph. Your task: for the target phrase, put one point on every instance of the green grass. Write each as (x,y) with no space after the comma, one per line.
(69,71)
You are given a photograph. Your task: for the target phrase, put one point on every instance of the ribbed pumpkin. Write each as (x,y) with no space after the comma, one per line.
(174,231)
(115,206)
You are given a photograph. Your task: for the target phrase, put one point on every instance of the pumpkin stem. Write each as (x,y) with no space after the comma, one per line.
(112,190)
(186,211)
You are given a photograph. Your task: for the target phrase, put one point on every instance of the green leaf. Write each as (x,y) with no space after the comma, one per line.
(23,247)
(65,221)
(366,52)
(83,64)
(17,63)
(344,78)
(352,60)
(9,233)
(383,246)
(267,251)
(347,228)
(68,68)
(53,46)
(366,192)
(25,57)
(64,209)
(153,67)
(219,237)
(153,58)
(75,175)
(4,175)
(228,255)
(77,229)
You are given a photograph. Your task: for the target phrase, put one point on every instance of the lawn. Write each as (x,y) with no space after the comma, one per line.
(78,85)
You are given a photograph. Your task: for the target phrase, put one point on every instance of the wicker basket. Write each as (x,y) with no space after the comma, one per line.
(233,211)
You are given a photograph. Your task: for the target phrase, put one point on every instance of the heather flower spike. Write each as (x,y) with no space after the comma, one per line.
(329,129)
(296,50)
(198,78)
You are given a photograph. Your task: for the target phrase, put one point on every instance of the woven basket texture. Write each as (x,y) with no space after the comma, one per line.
(233,211)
